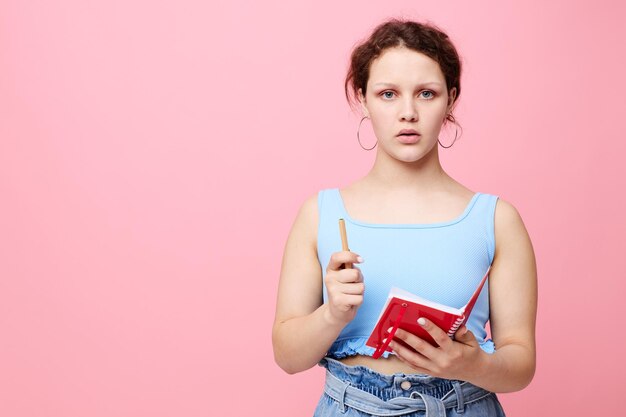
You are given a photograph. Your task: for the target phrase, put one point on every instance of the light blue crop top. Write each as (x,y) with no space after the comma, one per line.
(443,262)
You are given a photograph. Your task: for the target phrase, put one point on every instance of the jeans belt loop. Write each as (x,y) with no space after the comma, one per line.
(460,405)
(434,406)
(342,402)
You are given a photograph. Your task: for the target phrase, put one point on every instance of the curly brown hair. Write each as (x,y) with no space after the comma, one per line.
(421,37)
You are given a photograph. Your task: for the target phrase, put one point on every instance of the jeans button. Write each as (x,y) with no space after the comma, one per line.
(405,385)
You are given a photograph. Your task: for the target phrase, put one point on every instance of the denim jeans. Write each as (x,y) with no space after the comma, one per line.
(358,391)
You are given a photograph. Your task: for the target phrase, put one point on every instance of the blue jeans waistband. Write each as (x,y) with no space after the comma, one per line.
(394,395)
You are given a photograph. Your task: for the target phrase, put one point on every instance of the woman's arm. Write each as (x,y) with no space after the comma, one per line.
(513,307)
(512,304)
(305,328)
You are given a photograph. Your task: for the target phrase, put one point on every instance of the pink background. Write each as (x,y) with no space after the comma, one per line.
(153,156)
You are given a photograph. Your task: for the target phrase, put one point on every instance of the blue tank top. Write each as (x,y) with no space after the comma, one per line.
(443,262)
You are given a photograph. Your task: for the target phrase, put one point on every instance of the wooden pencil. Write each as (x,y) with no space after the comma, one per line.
(344,241)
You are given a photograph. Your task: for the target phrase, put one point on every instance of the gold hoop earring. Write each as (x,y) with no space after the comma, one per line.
(359,138)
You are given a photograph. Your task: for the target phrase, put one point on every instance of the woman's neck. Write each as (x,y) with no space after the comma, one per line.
(427,174)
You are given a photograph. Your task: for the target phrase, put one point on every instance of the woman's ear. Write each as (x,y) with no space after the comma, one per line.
(363,103)
(451,99)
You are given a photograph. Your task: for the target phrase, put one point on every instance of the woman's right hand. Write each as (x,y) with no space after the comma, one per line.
(344,286)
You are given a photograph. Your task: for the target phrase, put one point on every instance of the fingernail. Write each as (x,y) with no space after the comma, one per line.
(421,321)
(389,330)
(359,259)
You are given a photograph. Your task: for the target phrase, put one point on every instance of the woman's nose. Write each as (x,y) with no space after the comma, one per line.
(409,111)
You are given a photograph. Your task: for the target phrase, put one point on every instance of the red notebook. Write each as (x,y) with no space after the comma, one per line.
(402,310)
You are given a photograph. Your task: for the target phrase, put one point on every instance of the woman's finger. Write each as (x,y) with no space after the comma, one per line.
(338,260)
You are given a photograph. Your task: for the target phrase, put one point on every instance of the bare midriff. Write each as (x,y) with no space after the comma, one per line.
(387,366)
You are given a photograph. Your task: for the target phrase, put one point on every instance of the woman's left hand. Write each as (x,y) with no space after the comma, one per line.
(454,359)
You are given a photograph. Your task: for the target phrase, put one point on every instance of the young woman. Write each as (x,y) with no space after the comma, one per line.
(410,225)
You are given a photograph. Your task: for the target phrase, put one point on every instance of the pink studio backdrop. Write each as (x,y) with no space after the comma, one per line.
(153,156)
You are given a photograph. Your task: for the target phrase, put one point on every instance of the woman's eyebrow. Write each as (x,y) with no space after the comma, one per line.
(435,83)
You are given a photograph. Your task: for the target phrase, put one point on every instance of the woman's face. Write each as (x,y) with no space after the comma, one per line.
(406,90)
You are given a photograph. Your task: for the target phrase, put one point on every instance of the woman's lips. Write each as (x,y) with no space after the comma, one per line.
(408,137)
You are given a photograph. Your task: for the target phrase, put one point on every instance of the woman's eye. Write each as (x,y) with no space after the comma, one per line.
(429,94)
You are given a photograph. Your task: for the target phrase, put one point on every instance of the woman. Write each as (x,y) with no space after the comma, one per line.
(409,225)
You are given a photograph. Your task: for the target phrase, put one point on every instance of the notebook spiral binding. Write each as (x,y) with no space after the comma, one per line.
(456,326)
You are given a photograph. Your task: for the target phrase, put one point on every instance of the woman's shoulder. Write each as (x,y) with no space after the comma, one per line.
(309,206)
(506,213)
(307,217)
(509,226)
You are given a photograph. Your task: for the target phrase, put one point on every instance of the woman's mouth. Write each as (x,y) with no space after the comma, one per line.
(408,136)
